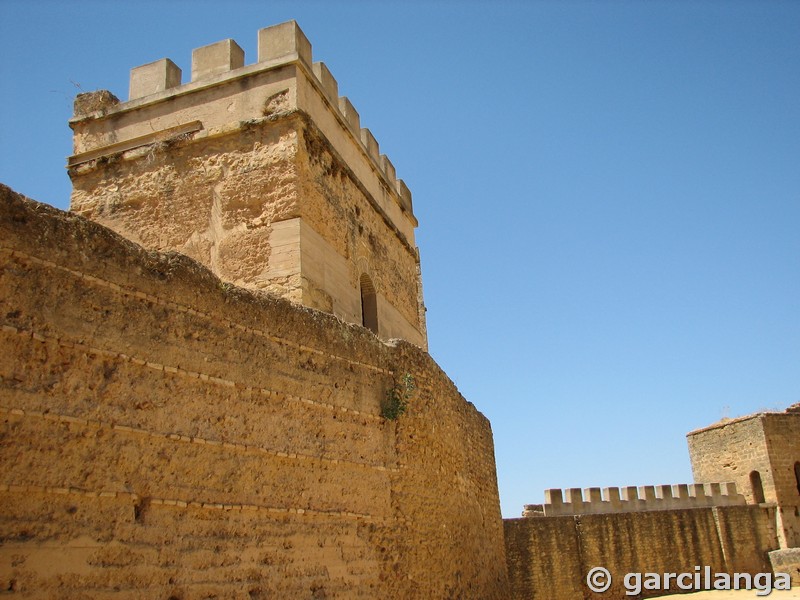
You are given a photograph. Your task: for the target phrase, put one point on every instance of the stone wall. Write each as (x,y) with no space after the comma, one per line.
(164,434)
(549,558)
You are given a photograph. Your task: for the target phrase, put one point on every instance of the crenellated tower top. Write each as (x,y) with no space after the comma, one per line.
(263,173)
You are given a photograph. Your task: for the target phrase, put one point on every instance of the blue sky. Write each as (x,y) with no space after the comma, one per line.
(608,196)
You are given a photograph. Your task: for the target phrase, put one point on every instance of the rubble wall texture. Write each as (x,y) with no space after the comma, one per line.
(213,201)
(164,434)
(550,557)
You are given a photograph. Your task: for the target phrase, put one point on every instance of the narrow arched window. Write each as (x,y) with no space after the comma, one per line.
(757,487)
(797,475)
(369,304)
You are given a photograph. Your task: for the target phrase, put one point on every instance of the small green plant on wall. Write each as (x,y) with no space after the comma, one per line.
(397,397)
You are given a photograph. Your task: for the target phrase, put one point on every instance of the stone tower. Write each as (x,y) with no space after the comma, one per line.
(262,173)
(761,454)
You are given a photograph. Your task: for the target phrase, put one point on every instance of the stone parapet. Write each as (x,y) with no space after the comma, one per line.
(574,501)
(217,58)
(152,78)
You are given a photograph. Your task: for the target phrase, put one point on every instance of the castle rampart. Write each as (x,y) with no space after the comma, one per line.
(269,180)
(165,434)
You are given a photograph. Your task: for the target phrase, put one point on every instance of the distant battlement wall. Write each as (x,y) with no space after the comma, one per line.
(670,528)
(574,501)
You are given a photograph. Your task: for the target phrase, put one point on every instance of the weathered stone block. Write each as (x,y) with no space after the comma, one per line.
(90,102)
(787,561)
(327,81)
(388,168)
(280,40)
(153,77)
(349,113)
(405,195)
(370,143)
(216,58)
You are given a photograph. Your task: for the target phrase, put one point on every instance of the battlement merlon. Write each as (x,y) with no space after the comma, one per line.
(225,94)
(575,501)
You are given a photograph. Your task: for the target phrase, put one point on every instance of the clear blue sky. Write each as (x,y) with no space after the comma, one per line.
(608,196)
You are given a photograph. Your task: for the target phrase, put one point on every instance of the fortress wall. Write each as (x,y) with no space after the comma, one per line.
(671,541)
(746,534)
(446,467)
(64,546)
(163,434)
(544,558)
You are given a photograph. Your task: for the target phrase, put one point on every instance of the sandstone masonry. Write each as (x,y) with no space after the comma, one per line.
(260,172)
(165,435)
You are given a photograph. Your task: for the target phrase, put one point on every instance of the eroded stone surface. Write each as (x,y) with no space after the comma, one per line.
(163,433)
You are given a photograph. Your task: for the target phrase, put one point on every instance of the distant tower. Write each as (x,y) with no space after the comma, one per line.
(260,172)
(761,454)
